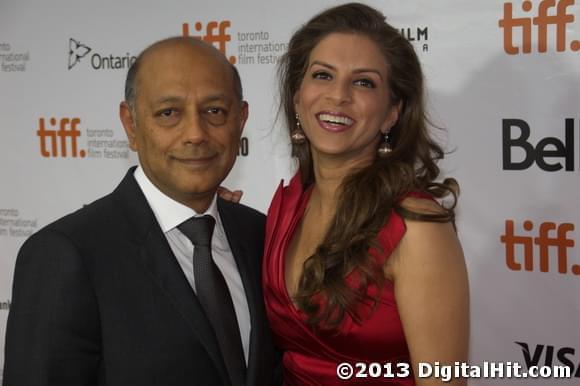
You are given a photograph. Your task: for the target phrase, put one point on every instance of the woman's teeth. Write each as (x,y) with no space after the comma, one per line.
(334,119)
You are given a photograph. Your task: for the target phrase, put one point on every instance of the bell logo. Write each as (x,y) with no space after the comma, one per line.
(559,17)
(220,38)
(550,235)
(543,153)
(53,141)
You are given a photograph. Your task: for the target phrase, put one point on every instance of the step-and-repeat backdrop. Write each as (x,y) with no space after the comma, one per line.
(503,79)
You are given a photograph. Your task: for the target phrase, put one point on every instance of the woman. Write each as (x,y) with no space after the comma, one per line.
(361,263)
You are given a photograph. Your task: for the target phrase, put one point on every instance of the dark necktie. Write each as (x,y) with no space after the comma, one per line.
(213,294)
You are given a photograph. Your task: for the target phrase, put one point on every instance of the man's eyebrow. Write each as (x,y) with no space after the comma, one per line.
(221,97)
(167,99)
(176,99)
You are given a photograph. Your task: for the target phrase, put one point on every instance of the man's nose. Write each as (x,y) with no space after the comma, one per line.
(194,130)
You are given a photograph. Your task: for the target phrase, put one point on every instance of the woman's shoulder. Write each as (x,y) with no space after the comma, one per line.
(286,201)
(430,235)
(409,233)
(420,202)
(417,202)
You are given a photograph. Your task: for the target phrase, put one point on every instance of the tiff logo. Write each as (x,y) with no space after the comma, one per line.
(58,135)
(550,235)
(220,38)
(549,13)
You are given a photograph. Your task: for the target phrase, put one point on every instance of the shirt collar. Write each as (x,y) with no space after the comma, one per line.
(168,212)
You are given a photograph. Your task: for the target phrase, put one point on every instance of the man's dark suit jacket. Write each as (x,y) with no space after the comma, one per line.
(99,299)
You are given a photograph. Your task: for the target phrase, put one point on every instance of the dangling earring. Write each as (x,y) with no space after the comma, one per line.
(297,136)
(385,147)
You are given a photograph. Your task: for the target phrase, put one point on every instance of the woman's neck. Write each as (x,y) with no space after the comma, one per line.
(329,173)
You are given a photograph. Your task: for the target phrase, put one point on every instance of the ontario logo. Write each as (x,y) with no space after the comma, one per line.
(78,51)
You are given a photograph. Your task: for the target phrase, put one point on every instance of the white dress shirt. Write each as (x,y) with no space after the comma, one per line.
(169,214)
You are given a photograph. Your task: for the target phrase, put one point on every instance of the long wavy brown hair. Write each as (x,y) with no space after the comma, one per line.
(369,195)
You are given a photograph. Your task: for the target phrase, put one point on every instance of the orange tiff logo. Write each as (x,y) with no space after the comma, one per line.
(221,37)
(549,13)
(550,236)
(60,137)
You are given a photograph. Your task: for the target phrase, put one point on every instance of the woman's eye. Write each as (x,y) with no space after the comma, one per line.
(365,83)
(321,75)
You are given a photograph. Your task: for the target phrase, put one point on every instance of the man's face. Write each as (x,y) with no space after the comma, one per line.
(187,121)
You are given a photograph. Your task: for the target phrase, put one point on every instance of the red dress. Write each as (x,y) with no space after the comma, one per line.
(311,358)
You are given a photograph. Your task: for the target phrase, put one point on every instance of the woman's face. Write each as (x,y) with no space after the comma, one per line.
(343,100)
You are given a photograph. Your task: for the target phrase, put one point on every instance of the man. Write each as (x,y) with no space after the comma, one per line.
(113,294)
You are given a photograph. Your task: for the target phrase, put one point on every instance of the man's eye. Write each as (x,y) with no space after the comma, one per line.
(215,110)
(322,75)
(216,116)
(166,113)
(365,83)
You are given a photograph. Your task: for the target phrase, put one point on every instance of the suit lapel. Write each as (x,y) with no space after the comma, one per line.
(251,281)
(156,257)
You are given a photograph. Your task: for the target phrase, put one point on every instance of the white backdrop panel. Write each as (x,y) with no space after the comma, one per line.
(474,87)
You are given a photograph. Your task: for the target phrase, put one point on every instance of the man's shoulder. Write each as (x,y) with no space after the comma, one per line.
(86,229)
(105,214)
(241,210)
(245,221)
(97,214)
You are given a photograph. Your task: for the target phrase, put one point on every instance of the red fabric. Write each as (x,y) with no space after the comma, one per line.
(310,358)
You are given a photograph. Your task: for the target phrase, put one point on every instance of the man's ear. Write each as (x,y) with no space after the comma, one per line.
(244,113)
(128,121)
